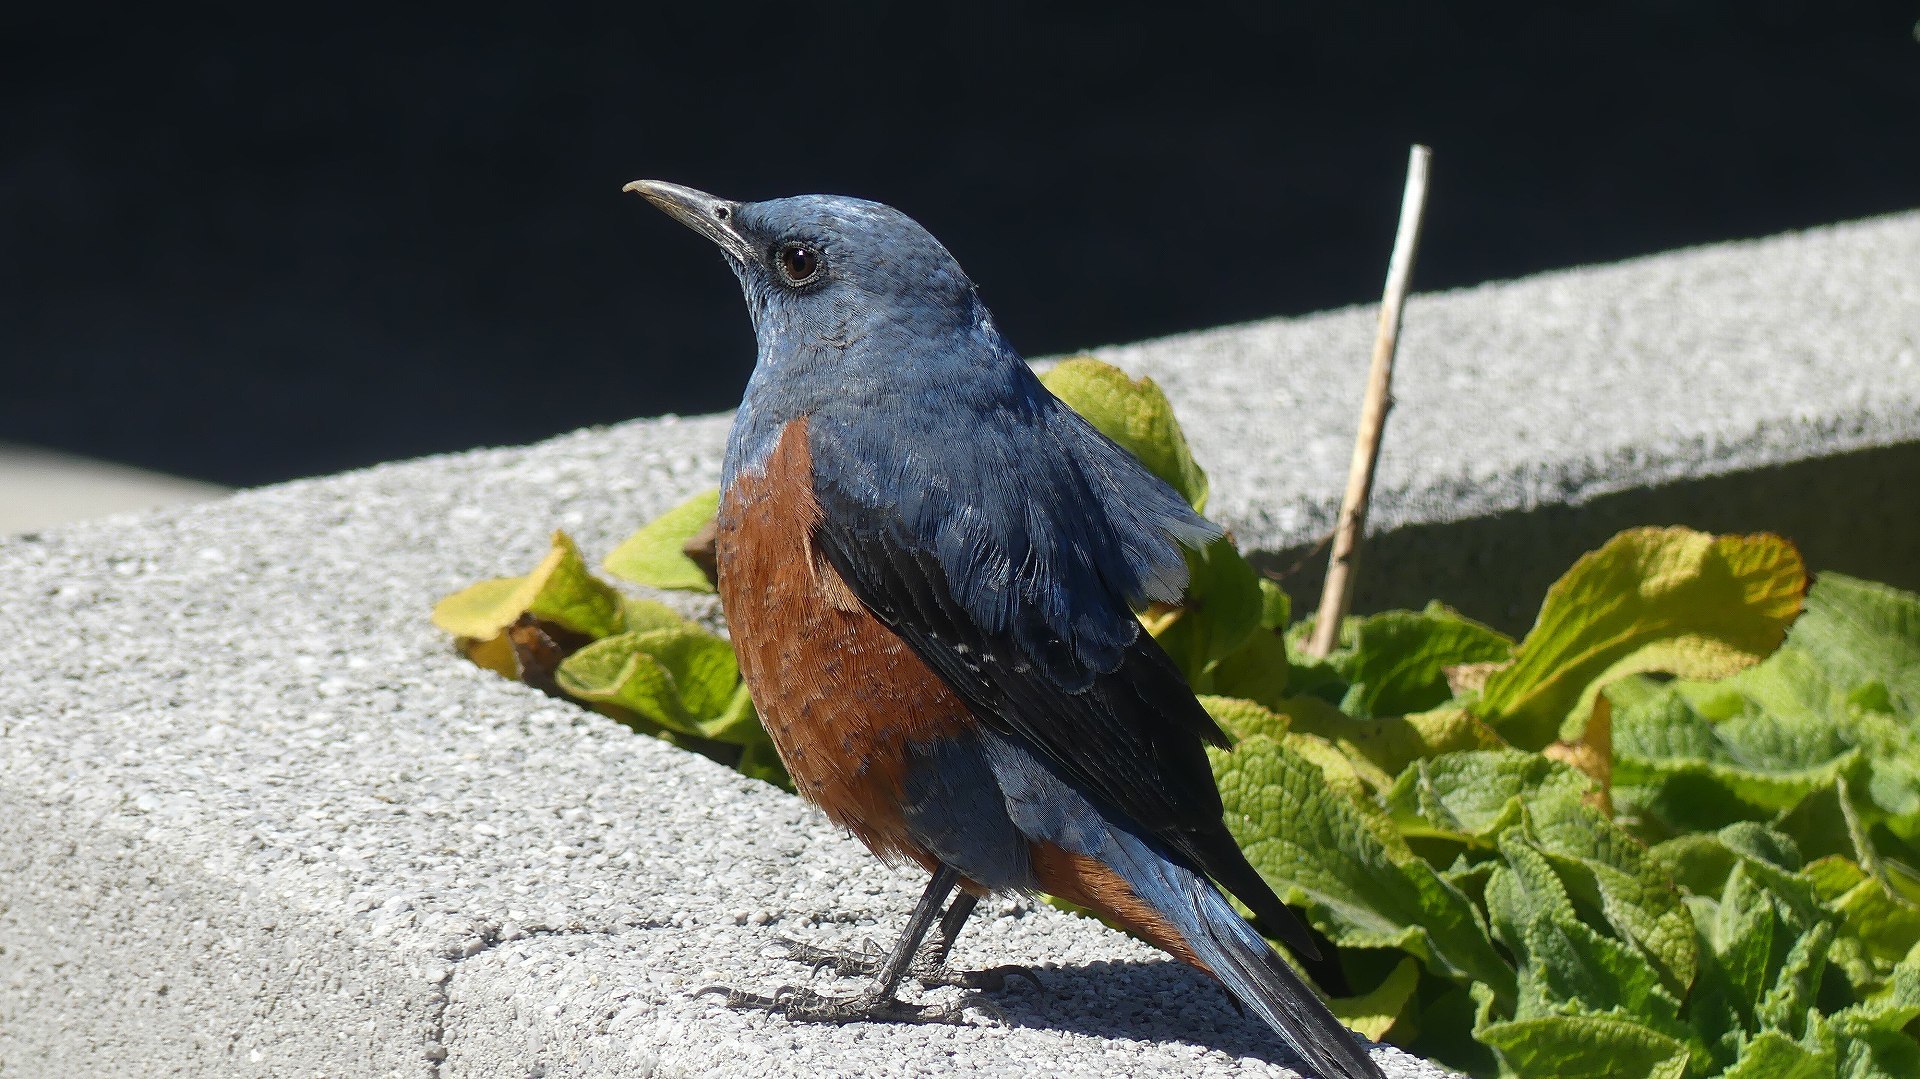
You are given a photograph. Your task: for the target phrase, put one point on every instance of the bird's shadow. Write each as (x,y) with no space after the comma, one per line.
(1161,1001)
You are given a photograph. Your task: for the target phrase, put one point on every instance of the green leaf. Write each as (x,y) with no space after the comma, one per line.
(1773,1055)
(559,590)
(645,614)
(1242,718)
(1608,872)
(1891,1008)
(1586,1047)
(674,677)
(1796,983)
(1134,413)
(1769,739)
(1445,1027)
(1768,947)
(1472,794)
(1521,889)
(1860,632)
(1703,774)
(1390,743)
(1567,961)
(656,555)
(738,722)
(1700,863)
(1400,658)
(1276,607)
(1219,613)
(1877,1054)
(1670,599)
(1257,671)
(1371,1015)
(1886,923)
(1319,851)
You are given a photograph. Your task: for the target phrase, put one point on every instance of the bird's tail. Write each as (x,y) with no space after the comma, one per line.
(1222,941)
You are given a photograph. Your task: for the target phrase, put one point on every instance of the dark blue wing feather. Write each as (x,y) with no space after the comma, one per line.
(1008,563)
(1044,528)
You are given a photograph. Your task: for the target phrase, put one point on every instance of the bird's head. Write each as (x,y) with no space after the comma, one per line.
(827,264)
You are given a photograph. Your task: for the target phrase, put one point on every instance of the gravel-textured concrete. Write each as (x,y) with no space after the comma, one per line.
(257,819)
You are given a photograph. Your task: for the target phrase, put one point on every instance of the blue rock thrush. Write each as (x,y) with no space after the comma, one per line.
(930,565)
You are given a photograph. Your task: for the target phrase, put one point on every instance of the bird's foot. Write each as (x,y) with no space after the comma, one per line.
(929,966)
(852,964)
(990,980)
(804,1005)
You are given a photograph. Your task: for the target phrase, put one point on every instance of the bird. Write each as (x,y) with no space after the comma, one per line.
(930,569)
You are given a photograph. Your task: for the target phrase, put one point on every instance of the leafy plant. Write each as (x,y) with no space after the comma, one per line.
(1672,831)
(568,632)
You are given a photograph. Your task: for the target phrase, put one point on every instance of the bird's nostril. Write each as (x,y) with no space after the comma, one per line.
(721,212)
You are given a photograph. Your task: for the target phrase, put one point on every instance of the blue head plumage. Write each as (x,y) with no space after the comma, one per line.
(920,409)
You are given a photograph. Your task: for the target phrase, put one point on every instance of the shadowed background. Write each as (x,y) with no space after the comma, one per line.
(244,246)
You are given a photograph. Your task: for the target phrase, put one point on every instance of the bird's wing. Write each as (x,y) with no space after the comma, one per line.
(1009,582)
(1133,734)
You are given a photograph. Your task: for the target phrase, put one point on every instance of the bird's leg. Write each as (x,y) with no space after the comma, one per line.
(879,1001)
(931,957)
(931,968)
(929,965)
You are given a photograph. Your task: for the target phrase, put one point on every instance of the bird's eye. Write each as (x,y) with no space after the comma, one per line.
(798,263)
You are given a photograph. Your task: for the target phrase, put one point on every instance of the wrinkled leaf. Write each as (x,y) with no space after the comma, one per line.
(656,555)
(1392,742)
(1774,1055)
(1371,1015)
(1606,871)
(1400,659)
(1136,414)
(1862,632)
(1472,794)
(675,677)
(1243,718)
(1220,611)
(1587,1047)
(1320,852)
(1651,599)
(560,590)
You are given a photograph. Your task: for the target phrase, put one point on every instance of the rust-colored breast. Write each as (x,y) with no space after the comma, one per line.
(841,695)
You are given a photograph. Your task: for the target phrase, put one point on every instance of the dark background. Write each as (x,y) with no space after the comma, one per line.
(248,244)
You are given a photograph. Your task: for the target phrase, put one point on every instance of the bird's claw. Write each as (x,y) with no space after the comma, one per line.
(846,964)
(991,980)
(929,967)
(803,1005)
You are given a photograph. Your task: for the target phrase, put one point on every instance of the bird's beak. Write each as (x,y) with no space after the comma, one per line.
(703,213)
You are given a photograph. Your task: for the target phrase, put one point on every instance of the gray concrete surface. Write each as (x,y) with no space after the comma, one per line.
(257,819)
(40,488)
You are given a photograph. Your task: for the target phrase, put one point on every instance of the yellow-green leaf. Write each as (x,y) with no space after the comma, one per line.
(1651,599)
(1391,742)
(1372,1014)
(1586,1047)
(1219,613)
(1136,414)
(675,677)
(1243,718)
(1320,851)
(656,554)
(559,590)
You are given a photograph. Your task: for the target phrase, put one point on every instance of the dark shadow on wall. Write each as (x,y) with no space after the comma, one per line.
(1856,513)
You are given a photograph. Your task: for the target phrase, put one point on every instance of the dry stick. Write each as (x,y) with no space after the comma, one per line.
(1338,592)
